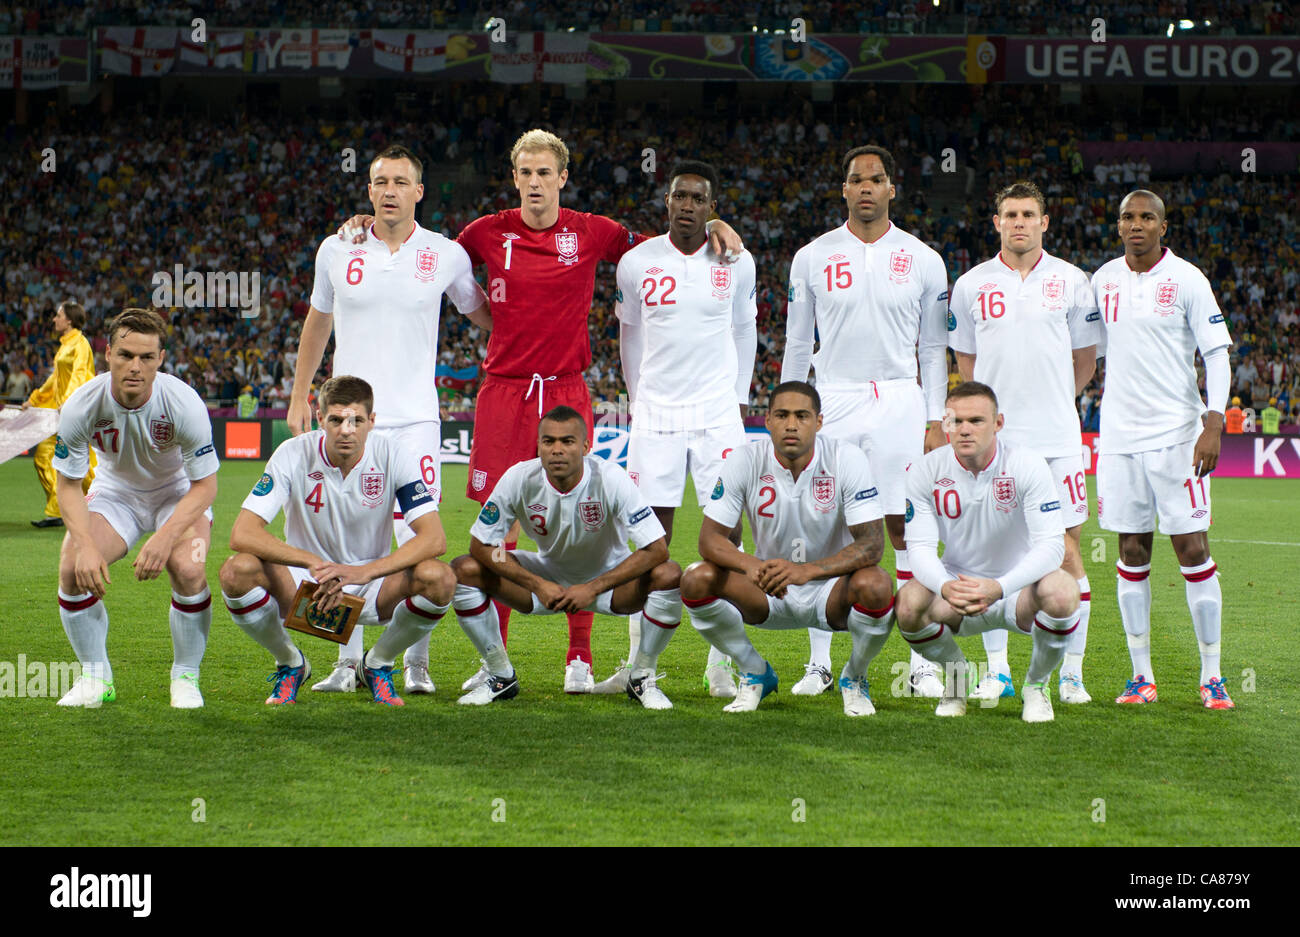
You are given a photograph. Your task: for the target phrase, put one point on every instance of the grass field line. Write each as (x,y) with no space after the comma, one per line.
(1260,543)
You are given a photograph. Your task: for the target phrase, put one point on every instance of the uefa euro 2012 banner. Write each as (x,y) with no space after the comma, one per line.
(503,55)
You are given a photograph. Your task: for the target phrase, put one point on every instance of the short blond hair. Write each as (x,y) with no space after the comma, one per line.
(537,139)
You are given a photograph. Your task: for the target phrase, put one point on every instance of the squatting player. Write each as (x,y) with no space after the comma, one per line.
(157,472)
(383,297)
(1025,324)
(581,511)
(813,492)
(338,487)
(1158,442)
(996,510)
(687,338)
(541,265)
(877,298)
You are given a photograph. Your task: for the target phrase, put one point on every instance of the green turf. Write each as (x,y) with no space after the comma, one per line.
(560,769)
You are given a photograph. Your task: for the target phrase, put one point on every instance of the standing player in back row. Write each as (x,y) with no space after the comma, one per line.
(383,299)
(1158,442)
(157,472)
(1025,324)
(876,297)
(687,339)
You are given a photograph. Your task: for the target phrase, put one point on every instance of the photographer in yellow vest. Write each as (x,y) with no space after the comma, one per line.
(74,364)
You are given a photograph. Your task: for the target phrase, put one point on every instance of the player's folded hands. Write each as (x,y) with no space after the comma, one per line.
(332,577)
(152,558)
(774,576)
(574,598)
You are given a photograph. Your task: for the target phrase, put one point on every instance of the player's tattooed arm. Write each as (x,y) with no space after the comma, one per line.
(867,548)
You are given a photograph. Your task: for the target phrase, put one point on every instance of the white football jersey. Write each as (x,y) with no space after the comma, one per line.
(815,510)
(1154,323)
(167,439)
(870,304)
(988,523)
(583,532)
(1022,333)
(687,312)
(386,308)
(341,520)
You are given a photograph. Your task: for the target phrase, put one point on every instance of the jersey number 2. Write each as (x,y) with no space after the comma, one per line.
(668,284)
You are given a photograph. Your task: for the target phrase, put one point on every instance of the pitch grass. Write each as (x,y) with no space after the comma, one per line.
(553,768)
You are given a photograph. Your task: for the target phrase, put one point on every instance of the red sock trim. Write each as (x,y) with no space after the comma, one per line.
(903,575)
(421,612)
(196,607)
(397,516)
(875,612)
(266,597)
(937,634)
(696,603)
(1069,630)
(503,619)
(1085,596)
(1202,575)
(659,624)
(77,606)
(470,612)
(580,636)
(1132,576)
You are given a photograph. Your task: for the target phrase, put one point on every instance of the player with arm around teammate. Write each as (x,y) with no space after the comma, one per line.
(810,498)
(997,512)
(338,487)
(581,511)
(1159,440)
(157,472)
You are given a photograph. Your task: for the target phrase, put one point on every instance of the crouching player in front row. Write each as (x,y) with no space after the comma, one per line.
(811,499)
(995,509)
(338,487)
(581,511)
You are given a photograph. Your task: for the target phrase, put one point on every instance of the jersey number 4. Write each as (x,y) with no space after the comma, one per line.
(315,499)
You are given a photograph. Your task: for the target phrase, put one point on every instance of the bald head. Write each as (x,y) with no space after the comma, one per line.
(1156,201)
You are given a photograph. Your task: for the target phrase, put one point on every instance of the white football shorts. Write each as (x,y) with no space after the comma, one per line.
(802,607)
(1133,489)
(132,513)
(1068,474)
(886,420)
(542,566)
(658,462)
(421,443)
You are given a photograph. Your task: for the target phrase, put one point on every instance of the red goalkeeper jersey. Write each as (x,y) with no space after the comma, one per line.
(540,285)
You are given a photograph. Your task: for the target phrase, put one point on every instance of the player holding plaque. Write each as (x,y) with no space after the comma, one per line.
(338,487)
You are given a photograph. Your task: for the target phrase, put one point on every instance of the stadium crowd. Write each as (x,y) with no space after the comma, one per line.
(135,195)
(1050,17)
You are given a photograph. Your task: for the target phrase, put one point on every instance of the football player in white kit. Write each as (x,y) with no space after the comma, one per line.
(157,472)
(811,498)
(338,487)
(1025,324)
(687,338)
(581,511)
(383,298)
(995,508)
(1159,443)
(876,298)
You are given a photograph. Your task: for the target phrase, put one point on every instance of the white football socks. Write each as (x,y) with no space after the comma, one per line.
(190,618)
(720,623)
(995,647)
(85,622)
(870,630)
(1050,637)
(663,613)
(1078,643)
(414,618)
(1133,590)
(479,620)
(940,648)
(257,614)
(1205,601)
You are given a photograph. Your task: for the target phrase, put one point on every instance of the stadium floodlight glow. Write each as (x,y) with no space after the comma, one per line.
(1185,24)
(1170,31)
(936,4)
(1207,22)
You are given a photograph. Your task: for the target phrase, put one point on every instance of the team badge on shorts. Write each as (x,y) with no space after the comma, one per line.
(1004,492)
(478,479)
(900,265)
(426,264)
(1166,293)
(160,431)
(372,487)
(592,514)
(720,279)
(566,243)
(823,489)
